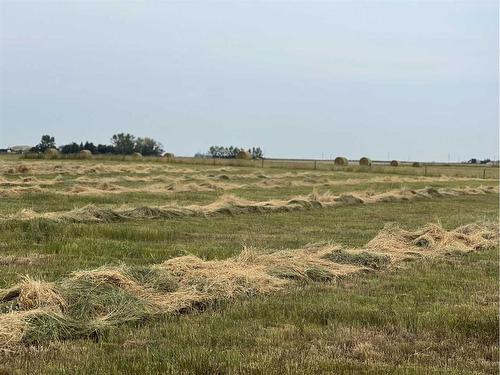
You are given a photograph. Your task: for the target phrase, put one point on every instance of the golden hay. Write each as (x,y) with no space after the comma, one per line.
(51,153)
(433,239)
(394,163)
(85,154)
(21,168)
(244,155)
(13,327)
(364,161)
(231,204)
(181,184)
(341,161)
(252,272)
(31,294)
(168,155)
(136,155)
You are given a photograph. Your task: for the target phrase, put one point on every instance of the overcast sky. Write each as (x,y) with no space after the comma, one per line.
(398,79)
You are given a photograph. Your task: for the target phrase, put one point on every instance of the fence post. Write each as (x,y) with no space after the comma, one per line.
(262,162)
(425,170)
(484,174)
(315,165)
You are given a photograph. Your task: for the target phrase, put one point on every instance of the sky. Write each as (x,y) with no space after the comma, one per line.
(407,80)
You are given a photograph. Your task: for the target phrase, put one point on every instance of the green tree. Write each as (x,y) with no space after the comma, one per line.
(257,153)
(71,148)
(90,146)
(148,146)
(46,142)
(123,143)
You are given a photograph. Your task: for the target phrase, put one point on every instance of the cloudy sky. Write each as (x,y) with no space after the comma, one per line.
(413,80)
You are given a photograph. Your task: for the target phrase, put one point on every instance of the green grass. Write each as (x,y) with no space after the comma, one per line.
(363,258)
(433,316)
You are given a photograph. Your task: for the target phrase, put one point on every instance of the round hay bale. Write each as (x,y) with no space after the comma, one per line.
(169,155)
(85,154)
(340,160)
(51,153)
(244,155)
(137,155)
(395,163)
(365,161)
(417,164)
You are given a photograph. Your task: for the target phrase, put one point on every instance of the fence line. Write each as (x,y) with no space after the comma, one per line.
(379,166)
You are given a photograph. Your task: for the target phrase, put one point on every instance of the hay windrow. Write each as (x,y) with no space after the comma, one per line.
(231,204)
(88,303)
(30,294)
(433,239)
(100,179)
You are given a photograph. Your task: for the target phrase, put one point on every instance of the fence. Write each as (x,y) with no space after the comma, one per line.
(380,166)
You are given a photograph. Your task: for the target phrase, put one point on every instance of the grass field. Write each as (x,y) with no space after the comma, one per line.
(432,315)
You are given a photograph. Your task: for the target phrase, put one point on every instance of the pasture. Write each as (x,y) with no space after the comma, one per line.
(111,266)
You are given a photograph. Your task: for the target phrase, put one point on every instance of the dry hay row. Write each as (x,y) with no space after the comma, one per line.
(88,303)
(326,182)
(87,186)
(107,188)
(172,187)
(230,204)
(30,180)
(86,168)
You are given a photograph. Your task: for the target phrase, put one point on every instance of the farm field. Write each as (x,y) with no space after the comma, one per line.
(236,269)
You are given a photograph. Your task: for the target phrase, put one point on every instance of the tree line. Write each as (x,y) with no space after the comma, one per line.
(479,161)
(121,144)
(231,152)
(127,144)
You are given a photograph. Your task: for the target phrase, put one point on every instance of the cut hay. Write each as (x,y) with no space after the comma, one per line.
(231,205)
(86,303)
(136,155)
(394,163)
(433,240)
(244,155)
(341,161)
(32,294)
(21,168)
(364,161)
(168,155)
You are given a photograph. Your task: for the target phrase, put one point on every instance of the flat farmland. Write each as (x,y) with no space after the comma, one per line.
(141,267)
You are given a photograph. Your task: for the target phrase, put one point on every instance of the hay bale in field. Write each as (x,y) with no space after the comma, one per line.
(365,161)
(51,153)
(394,163)
(340,160)
(85,154)
(417,164)
(136,155)
(168,155)
(245,155)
